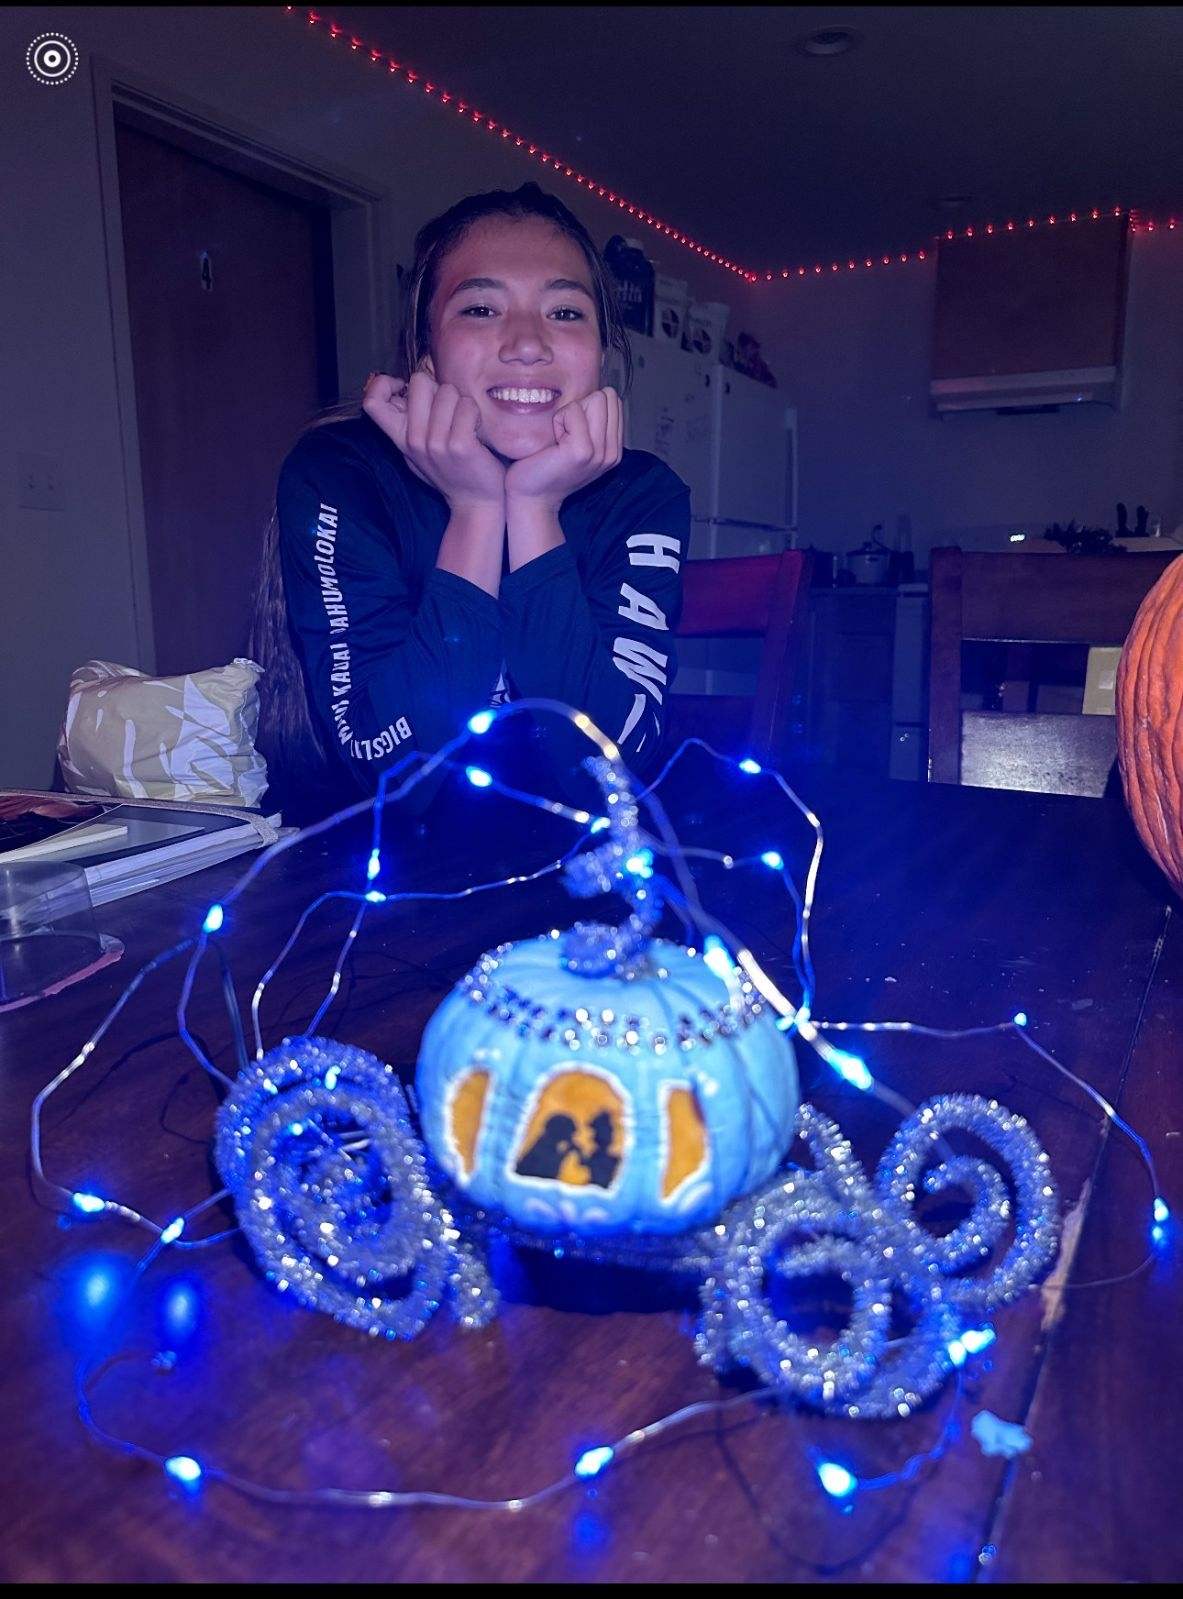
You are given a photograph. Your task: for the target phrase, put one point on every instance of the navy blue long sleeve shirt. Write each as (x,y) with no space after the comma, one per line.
(398,654)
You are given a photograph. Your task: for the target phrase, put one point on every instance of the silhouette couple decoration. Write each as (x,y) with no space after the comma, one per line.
(556,1148)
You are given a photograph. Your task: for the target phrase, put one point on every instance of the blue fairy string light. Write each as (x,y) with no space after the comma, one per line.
(842,1485)
(838,1482)
(593,1461)
(193,1474)
(846,1066)
(1019,1026)
(850,1068)
(955,1341)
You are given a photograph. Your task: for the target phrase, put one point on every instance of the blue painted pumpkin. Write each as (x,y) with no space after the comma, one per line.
(605,1105)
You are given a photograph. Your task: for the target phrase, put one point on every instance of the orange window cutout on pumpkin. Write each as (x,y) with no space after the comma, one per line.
(687,1135)
(468,1106)
(576,1133)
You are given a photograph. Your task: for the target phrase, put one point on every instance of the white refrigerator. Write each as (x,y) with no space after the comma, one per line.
(733,441)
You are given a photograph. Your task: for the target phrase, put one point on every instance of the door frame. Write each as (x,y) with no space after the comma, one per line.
(362,301)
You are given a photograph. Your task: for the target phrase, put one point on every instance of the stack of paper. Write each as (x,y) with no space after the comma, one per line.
(140,844)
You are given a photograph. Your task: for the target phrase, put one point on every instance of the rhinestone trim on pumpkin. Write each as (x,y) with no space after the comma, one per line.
(629,1032)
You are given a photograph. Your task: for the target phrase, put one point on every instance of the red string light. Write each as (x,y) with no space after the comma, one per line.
(560,168)
(555,163)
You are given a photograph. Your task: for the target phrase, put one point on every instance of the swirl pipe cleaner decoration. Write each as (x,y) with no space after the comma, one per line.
(349,1211)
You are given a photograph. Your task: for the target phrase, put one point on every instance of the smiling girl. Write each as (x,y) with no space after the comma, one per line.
(478,532)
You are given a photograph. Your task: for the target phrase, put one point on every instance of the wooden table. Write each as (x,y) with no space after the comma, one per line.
(948,906)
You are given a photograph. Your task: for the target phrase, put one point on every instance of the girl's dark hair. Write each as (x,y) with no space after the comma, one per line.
(288,733)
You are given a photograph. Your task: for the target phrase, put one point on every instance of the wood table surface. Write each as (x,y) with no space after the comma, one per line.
(952,907)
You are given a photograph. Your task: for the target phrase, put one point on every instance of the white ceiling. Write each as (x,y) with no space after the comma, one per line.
(709,117)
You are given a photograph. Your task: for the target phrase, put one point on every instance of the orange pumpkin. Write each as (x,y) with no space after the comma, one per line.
(1149,704)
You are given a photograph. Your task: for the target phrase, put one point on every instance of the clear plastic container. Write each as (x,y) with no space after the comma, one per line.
(48,935)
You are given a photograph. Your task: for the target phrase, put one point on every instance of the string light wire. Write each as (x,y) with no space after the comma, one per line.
(683,896)
(90,1372)
(803,902)
(44,1188)
(689,901)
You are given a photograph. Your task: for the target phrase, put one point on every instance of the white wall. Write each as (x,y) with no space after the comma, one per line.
(66,593)
(852,352)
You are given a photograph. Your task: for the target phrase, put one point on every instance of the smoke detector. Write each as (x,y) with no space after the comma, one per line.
(828,42)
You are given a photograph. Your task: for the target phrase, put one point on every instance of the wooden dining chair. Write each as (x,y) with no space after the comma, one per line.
(755,596)
(1025,599)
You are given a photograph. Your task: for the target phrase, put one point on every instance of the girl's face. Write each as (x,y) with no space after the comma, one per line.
(513,324)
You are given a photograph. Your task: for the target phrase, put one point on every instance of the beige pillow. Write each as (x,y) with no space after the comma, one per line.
(170,738)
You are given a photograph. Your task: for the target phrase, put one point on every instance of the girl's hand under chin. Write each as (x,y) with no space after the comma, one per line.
(435,428)
(588,443)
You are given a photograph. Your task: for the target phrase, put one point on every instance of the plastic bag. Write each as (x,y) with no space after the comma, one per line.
(188,738)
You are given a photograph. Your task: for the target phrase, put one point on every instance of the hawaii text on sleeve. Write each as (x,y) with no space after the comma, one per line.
(398,654)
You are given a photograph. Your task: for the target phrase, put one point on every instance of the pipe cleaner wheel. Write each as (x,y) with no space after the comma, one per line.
(832,1220)
(315,1143)
(1036,1212)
